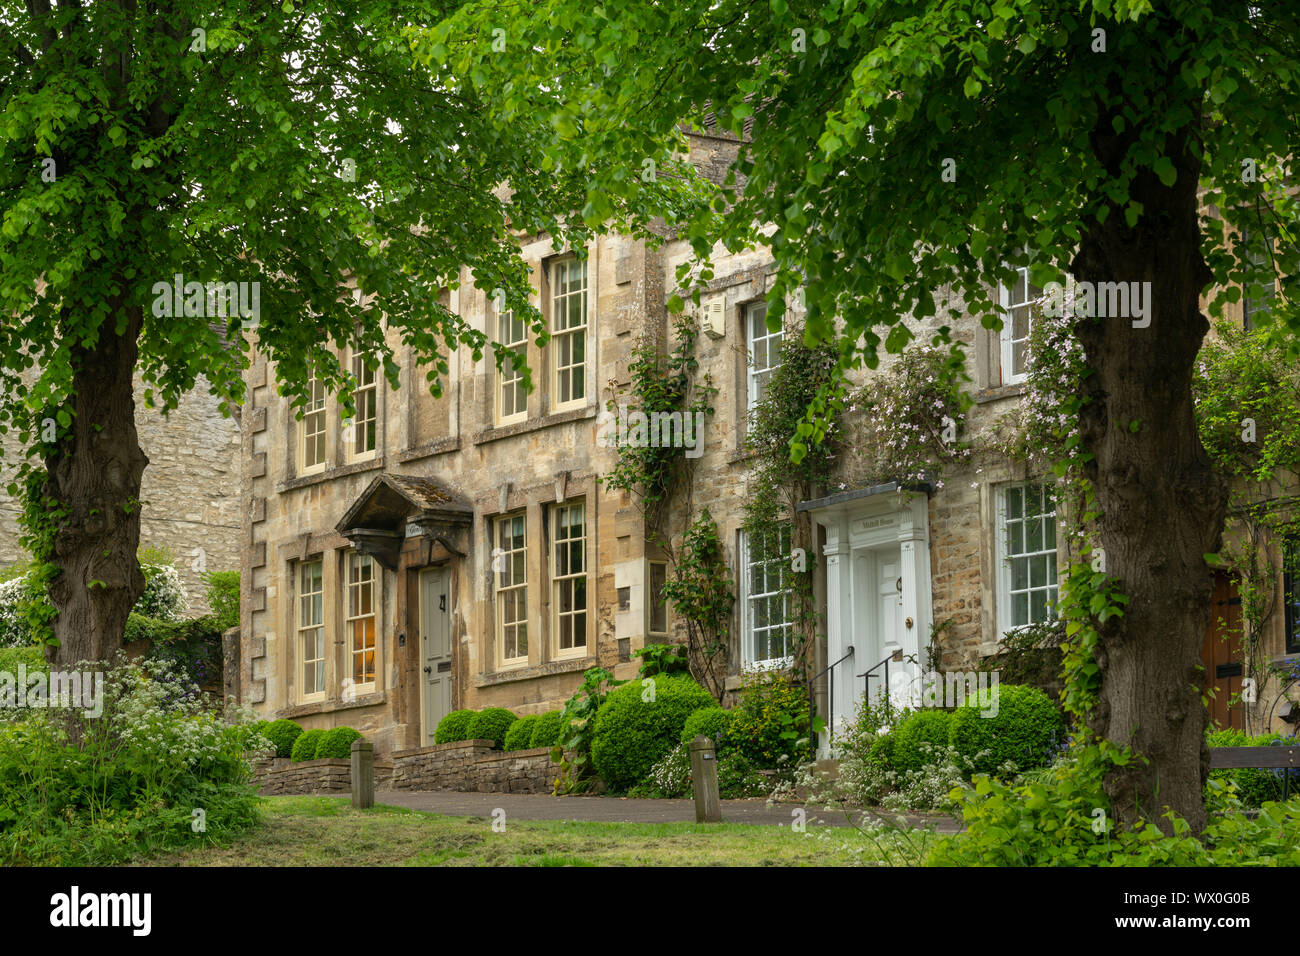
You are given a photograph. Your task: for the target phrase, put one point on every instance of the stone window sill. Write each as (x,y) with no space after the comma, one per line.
(986,395)
(569,665)
(329,474)
(535,424)
(329,706)
(440,447)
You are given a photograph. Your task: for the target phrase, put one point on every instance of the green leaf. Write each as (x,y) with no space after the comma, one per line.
(1164,168)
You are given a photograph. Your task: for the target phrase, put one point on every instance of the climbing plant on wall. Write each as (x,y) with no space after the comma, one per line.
(659,477)
(1247,391)
(777,483)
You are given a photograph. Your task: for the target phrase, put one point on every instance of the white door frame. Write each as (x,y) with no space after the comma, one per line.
(854,528)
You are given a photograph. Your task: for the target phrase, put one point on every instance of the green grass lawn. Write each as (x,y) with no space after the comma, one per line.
(323,831)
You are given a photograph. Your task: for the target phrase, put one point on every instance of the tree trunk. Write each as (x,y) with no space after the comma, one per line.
(94,480)
(1162,505)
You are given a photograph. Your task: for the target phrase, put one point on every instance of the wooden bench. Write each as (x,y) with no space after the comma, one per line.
(1258,758)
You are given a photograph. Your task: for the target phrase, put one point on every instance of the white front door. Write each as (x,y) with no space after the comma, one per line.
(877,617)
(435,650)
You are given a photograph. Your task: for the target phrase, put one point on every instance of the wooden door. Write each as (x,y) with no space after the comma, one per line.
(1221,653)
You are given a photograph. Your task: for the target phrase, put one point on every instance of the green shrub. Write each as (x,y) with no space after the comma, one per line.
(336,744)
(304,748)
(770,720)
(491,724)
(131,783)
(282,733)
(1255,786)
(33,657)
(712,722)
(923,727)
(577,729)
(223,598)
(639,723)
(1063,819)
(882,751)
(1026,730)
(546,730)
(453,727)
(520,734)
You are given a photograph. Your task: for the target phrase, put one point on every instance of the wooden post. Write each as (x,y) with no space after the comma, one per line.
(704,775)
(363,774)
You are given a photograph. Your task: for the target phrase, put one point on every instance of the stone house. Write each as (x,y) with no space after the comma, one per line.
(190,489)
(462,552)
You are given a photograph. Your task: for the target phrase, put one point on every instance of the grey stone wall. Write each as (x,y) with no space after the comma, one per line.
(190,489)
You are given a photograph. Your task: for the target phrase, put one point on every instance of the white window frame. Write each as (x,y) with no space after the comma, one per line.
(564,332)
(510,560)
(309,624)
(1006,338)
(510,376)
(756,377)
(365,408)
(1005,578)
(1250,306)
(564,575)
(650,601)
(313,414)
(749,639)
(353,616)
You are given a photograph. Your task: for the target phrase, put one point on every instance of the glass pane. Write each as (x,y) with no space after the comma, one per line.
(1018,353)
(1017,538)
(1020,322)
(1038,605)
(1038,571)
(1033,500)
(1019,609)
(1033,534)
(1013,503)
(1019,574)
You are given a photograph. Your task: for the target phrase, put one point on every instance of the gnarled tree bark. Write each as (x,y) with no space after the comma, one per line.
(1162,504)
(94,478)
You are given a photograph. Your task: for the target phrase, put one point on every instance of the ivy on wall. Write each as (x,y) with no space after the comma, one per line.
(777,483)
(659,476)
(1247,393)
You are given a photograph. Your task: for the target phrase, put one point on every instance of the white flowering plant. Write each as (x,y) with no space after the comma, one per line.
(1044,427)
(913,420)
(164,598)
(78,788)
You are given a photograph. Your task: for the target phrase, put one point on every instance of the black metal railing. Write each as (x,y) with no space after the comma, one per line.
(871,672)
(830,700)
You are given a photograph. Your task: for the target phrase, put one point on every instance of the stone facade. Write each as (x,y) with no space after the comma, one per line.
(190,489)
(405,539)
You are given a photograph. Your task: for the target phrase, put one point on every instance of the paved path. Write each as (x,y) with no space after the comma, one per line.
(524,806)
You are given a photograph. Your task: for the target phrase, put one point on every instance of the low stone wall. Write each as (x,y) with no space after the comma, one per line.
(472,765)
(282,777)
